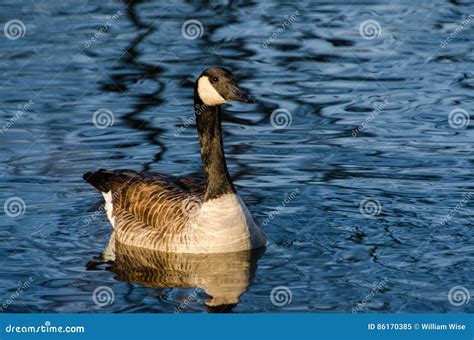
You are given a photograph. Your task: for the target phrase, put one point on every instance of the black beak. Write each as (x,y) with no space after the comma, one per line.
(240,95)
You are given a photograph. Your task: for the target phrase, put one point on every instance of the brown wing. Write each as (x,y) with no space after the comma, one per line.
(148,208)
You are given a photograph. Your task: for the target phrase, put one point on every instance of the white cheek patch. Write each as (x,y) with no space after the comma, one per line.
(208,93)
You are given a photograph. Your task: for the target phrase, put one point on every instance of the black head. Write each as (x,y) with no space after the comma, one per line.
(216,86)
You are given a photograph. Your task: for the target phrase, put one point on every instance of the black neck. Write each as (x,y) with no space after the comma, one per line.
(208,123)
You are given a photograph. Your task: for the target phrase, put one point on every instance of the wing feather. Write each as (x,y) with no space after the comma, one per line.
(148,208)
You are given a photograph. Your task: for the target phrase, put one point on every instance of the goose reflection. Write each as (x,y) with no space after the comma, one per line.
(224,277)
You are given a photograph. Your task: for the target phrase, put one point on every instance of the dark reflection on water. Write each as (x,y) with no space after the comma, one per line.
(223,277)
(303,182)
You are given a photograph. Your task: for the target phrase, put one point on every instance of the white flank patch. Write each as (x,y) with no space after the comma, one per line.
(225,225)
(109,208)
(208,93)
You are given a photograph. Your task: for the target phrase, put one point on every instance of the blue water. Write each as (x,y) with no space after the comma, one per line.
(363,185)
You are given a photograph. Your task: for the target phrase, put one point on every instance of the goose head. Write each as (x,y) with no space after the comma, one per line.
(216,86)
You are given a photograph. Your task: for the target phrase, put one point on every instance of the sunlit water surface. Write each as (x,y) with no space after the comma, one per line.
(304,182)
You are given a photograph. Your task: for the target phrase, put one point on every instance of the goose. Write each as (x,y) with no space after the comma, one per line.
(184,214)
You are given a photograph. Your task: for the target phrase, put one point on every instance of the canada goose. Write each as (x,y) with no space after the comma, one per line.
(184,214)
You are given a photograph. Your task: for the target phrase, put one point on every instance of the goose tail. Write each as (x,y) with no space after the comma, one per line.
(107,180)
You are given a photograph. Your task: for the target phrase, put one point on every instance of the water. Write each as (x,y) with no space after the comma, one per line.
(406,165)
